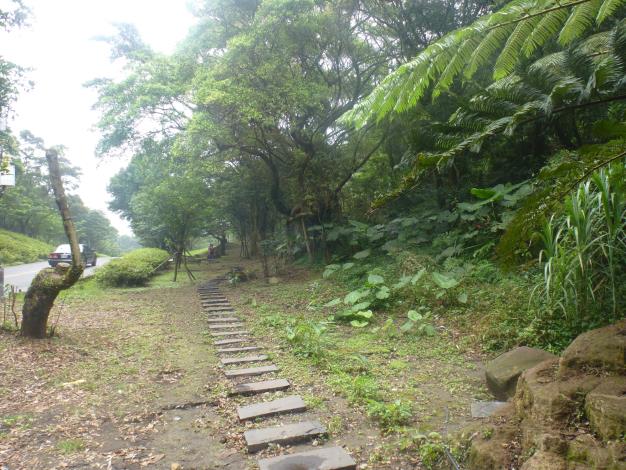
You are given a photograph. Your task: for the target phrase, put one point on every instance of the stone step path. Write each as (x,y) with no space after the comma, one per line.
(231,333)
(237,350)
(328,458)
(238,360)
(222,342)
(260,387)
(258,439)
(223,319)
(222,325)
(290,404)
(250,371)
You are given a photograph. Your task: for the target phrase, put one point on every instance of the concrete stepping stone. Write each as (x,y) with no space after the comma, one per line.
(230,333)
(258,439)
(222,342)
(236,350)
(326,458)
(225,326)
(237,360)
(219,309)
(260,387)
(215,302)
(251,371)
(212,300)
(290,404)
(484,409)
(221,304)
(223,319)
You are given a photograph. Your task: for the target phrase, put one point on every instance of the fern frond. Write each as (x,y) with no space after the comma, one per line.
(549,25)
(487,48)
(581,18)
(608,8)
(509,56)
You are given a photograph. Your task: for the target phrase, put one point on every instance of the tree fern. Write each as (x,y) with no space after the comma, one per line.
(521,25)
(549,25)
(608,8)
(581,18)
(509,56)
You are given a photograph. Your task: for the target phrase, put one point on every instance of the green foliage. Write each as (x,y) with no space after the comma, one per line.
(419,322)
(307,339)
(583,250)
(133,269)
(16,248)
(390,416)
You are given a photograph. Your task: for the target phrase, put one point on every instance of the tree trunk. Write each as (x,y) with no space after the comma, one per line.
(223,242)
(47,284)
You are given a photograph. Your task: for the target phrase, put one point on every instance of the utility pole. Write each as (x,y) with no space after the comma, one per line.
(7,178)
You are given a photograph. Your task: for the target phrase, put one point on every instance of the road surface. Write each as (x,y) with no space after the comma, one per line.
(20,276)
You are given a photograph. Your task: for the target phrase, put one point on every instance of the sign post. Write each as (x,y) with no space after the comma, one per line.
(7,178)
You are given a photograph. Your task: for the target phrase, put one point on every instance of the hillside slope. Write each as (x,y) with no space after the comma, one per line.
(17,248)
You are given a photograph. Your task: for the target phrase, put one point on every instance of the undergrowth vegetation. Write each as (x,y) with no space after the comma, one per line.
(133,269)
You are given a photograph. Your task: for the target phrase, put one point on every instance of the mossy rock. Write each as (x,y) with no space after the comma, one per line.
(605,407)
(600,349)
(544,399)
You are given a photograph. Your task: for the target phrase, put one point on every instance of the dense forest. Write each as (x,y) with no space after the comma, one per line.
(486,138)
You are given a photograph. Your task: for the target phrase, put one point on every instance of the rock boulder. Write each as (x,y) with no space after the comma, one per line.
(502,372)
(603,348)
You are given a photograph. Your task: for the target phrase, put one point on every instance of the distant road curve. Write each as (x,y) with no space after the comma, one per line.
(21,275)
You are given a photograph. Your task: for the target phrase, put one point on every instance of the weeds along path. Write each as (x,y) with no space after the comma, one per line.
(388,400)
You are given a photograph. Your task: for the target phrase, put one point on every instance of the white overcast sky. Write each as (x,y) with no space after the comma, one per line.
(59,46)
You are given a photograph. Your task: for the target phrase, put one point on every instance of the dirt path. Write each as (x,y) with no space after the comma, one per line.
(125,384)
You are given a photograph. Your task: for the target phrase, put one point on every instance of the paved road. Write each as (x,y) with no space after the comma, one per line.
(21,275)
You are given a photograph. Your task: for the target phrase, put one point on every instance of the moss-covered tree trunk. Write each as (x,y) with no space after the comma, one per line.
(47,284)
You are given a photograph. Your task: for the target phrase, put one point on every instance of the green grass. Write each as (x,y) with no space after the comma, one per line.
(16,248)
(70,446)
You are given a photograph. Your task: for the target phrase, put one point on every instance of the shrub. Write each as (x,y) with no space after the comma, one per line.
(18,248)
(133,269)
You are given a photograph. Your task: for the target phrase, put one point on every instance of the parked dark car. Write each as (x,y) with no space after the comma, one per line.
(63,254)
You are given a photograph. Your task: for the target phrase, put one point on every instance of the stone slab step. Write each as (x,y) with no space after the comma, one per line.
(237,360)
(251,371)
(258,439)
(236,350)
(223,319)
(260,387)
(225,326)
(218,303)
(222,304)
(230,333)
(219,309)
(290,404)
(223,342)
(326,458)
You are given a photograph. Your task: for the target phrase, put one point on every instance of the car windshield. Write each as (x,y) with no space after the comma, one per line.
(66,249)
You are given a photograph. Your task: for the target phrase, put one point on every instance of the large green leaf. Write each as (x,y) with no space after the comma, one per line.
(354,296)
(362,254)
(375,279)
(444,281)
(383,293)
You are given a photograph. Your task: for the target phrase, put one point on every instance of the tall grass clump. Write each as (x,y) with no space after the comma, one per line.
(133,269)
(584,259)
